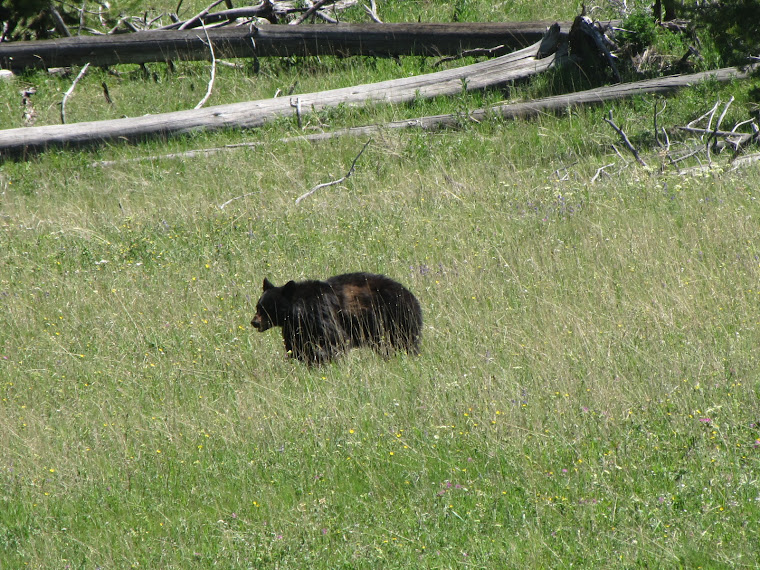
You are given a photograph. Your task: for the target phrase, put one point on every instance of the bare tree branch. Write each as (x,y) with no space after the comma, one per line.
(732,138)
(667,139)
(231,200)
(709,113)
(303,17)
(627,142)
(70,91)
(717,128)
(657,114)
(600,171)
(202,102)
(717,133)
(60,25)
(199,17)
(372,11)
(334,182)
(723,114)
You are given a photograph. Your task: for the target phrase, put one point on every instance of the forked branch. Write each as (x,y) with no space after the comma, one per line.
(626,142)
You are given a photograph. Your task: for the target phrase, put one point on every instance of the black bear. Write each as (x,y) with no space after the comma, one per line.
(320,319)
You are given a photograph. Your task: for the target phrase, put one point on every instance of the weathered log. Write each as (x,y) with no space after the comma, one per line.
(253,114)
(558,103)
(525,110)
(660,85)
(272,40)
(489,73)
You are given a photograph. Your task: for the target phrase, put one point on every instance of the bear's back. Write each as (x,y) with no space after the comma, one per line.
(360,292)
(372,297)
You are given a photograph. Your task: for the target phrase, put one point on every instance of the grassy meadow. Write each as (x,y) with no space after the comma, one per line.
(587,390)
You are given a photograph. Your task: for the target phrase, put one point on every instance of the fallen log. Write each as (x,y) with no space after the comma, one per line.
(433,39)
(490,73)
(525,110)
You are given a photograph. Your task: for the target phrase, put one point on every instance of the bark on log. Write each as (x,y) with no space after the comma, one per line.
(272,40)
(490,73)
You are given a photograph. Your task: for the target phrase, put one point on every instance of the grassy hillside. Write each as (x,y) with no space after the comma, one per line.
(587,389)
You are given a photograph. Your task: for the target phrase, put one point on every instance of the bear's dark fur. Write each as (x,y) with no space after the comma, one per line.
(320,319)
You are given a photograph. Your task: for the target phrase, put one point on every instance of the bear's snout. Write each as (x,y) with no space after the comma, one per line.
(261,322)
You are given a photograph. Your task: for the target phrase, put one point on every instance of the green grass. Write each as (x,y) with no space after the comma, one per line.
(586,394)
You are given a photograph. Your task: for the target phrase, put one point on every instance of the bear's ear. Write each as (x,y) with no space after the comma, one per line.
(288,289)
(268,284)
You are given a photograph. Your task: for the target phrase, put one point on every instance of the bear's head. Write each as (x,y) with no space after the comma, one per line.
(273,306)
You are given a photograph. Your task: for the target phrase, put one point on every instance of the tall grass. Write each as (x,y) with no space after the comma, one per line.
(586,394)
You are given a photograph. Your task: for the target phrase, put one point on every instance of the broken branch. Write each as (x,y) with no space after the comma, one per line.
(600,171)
(717,126)
(371,11)
(202,102)
(303,17)
(199,17)
(623,136)
(709,114)
(657,114)
(231,200)
(60,25)
(70,91)
(334,182)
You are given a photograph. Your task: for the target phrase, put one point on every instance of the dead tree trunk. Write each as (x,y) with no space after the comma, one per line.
(273,40)
(489,73)
(670,10)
